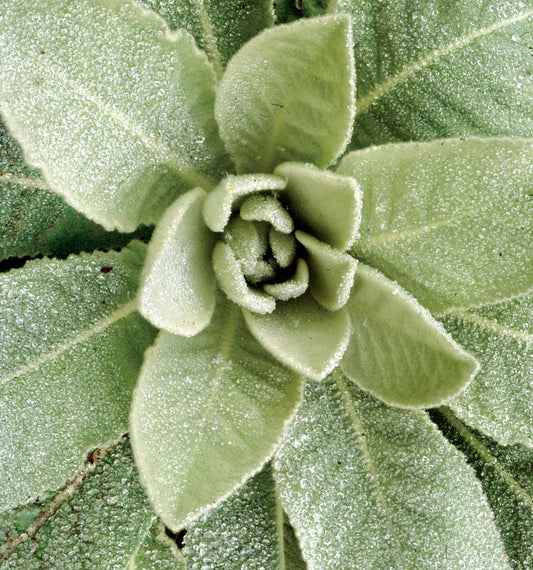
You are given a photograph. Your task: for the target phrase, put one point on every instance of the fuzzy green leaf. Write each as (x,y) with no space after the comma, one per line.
(248,530)
(433,69)
(270,102)
(207,413)
(220,27)
(71,347)
(178,284)
(100,519)
(303,335)
(506,475)
(156,551)
(291,288)
(397,351)
(326,205)
(500,400)
(33,220)
(451,220)
(368,486)
(114,109)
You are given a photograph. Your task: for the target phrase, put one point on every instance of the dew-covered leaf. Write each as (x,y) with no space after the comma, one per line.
(101,518)
(433,69)
(177,291)
(506,475)
(220,27)
(369,486)
(451,220)
(248,530)
(397,351)
(303,335)
(71,347)
(326,205)
(499,401)
(270,102)
(34,220)
(115,109)
(207,413)
(156,551)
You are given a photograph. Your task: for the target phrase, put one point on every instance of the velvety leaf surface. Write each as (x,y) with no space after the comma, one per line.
(397,351)
(220,27)
(451,220)
(506,475)
(100,519)
(115,110)
(71,347)
(270,102)
(500,400)
(438,69)
(34,220)
(369,486)
(156,551)
(177,290)
(207,413)
(248,530)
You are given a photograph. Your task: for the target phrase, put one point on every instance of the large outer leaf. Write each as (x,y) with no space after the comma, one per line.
(500,400)
(115,110)
(248,530)
(207,413)
(34,220)
(100,519)
(397,351)
(451,220)
(220,27)
(71,345)
(506,474)
(270,102)
(368,486)
(441,68)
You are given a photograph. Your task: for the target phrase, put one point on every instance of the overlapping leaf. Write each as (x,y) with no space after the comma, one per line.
(439,69)
(100,519)
(71,347)
(368,486)
(500,400)
(248,530)
(228,400)
(114,109)
(451,221)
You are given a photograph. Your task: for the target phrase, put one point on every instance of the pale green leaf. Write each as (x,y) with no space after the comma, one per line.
(267,208)
(506,475)
(438,69)
(451,220)
(71,346)
(156,551)
(291,288)
(326,205)
(230,277)
(115,109)
(270,102)
(397,351)
(331,272)
(303,335)
(283,247)
(368,486)
(99,519)
(220,27)
(500,400)
(207,413)
(249,243)
(33,220)
(247,531)
(177,290)
(229,194)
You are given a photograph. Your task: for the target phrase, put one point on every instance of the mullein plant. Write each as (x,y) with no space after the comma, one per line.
(323,356)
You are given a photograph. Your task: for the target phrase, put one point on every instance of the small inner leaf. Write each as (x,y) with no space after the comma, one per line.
(231,191)
(231,279)
(293,287)
(283,247)
(249,242)
(267,208)
(331,272)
